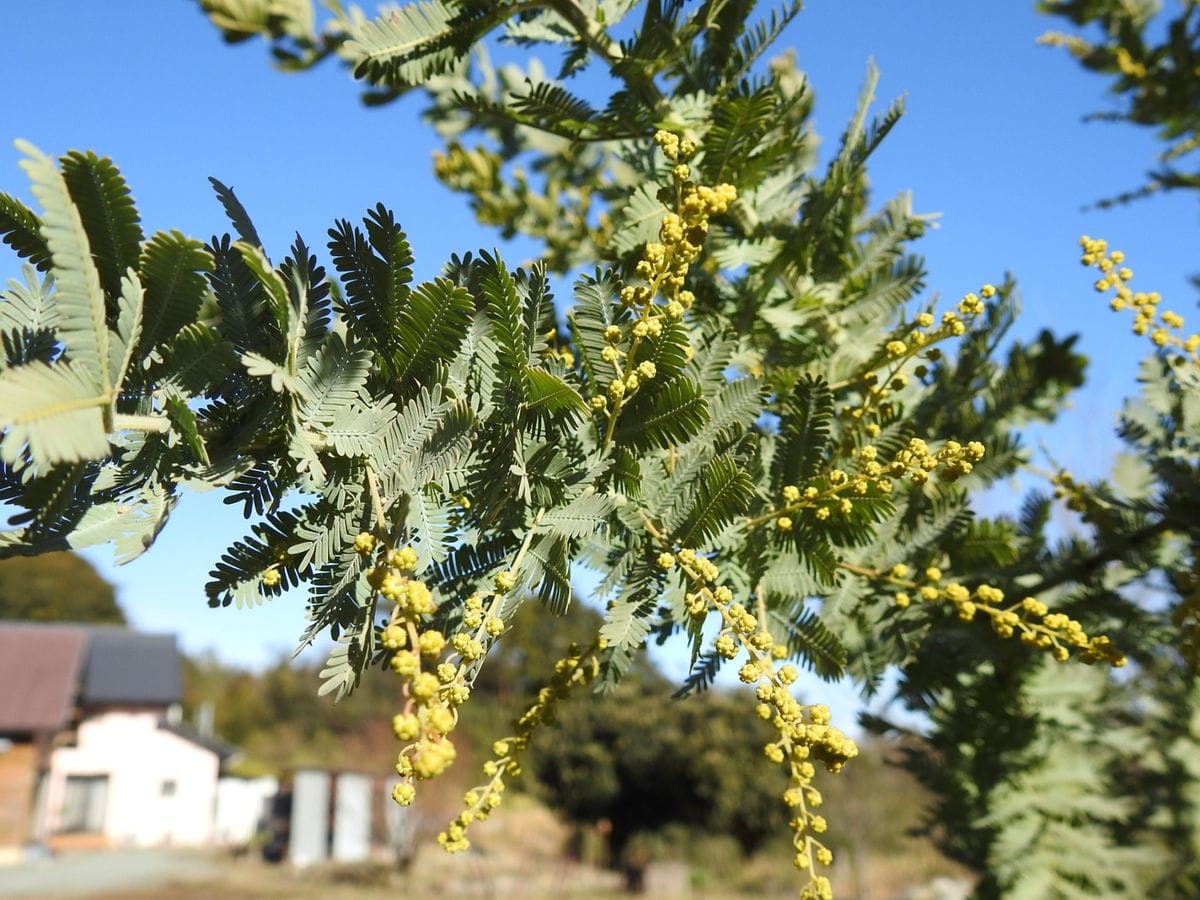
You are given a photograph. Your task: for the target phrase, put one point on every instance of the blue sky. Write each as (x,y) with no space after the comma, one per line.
(993,141)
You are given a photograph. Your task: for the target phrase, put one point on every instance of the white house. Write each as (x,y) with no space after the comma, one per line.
(107,762)
(134,780)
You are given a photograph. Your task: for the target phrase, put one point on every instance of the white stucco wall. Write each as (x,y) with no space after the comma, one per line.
(139,758)
(241,805)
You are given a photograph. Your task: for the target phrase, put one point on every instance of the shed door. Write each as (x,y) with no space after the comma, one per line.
(84,803)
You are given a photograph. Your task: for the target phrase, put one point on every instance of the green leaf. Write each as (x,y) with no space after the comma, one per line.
(550,396)
(113,227)
(595,309)
(627,621)
(638,221)
(549,564)
(28,319)
(331,380)
(504,314)
(55,410)
(376,267)
(432,324)
(196,360)
(341,672)
(258,366)
(815,551)
(702,675)
(21,229)
(721,493)
(172,268)
(130,303)
(447,446)
(582,517)
(432,525)
(81,306)
(409,44)
(552,104)
(184,420)
(131,524)
(738,126)
(667,416)
(986,543)
(668,351)
(804,431)
(789,579)
(245,317)
(276,290)
(356,430)
(238,216)
(811,640)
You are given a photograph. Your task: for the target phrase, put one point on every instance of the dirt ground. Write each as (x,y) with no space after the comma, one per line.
(519,855)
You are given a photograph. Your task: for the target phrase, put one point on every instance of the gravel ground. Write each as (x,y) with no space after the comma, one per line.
(88,873)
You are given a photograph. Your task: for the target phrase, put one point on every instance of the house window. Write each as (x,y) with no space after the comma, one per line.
(168,787)
(84,803)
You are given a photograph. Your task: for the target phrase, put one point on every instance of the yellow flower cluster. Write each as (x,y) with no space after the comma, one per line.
(1074,44)
(663,268)
(833,493)
(1030,619)
(578,667)
(805,733)
(913,341)
(1080,48)
(1164,326)
(1081,499)
(560,354)
(434,669)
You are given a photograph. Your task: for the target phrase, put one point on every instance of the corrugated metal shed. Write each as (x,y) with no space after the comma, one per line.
(39,675)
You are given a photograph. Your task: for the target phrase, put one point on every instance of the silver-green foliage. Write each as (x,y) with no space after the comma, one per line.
(138,367)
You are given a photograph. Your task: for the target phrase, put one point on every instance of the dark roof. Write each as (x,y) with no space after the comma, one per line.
(39,674)
(130,667)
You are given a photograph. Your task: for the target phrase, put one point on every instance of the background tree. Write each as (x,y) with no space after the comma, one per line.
(1152,58)
(56,587)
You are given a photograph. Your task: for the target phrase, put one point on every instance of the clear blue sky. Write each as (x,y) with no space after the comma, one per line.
(993,140)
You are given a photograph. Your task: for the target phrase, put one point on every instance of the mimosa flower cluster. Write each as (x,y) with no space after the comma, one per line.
(805,735)
(1029,619)
(578,668)
(1165,327)
(833,493)
(435,670)
(912,341)
(661,298)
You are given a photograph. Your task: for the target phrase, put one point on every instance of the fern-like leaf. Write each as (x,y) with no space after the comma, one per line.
(583,516)
(552,398)
(412,43)
(112,224)
(432,324)
(173,271)
(722,492)
(804,431)
(672,414)
(55,411)
(238,216)
(82,326)
(811,640)
(21,229)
